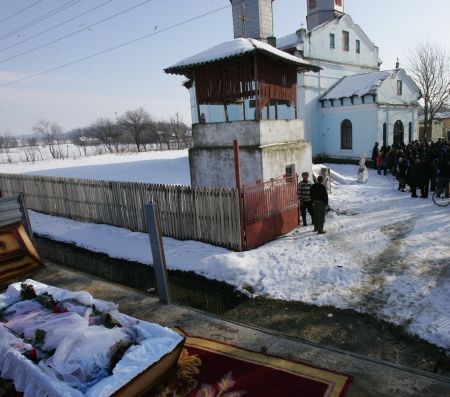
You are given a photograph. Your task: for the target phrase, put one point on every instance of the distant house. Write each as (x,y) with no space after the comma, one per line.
(440,128)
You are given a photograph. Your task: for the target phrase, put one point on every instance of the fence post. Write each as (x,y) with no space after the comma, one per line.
(237,172)
(159,259)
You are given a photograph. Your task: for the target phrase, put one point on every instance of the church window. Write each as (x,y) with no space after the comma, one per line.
(332,41)
(346,134)
(345,41)
(358,46)
(399,87)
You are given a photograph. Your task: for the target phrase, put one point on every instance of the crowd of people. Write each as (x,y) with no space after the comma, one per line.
(421,165)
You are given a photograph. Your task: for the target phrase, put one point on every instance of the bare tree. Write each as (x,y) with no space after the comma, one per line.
(165,133)
(429,66)
(52,134)
(80,139)
(105,131)
(7,141)
(134,122)
(150,134)
(32,149)
(178,129)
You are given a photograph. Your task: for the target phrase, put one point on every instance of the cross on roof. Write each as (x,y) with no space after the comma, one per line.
(244,19)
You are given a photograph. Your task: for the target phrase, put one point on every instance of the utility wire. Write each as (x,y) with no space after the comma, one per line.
(39,19)
(115,47)
(56,26)
(19,12)
(73,33)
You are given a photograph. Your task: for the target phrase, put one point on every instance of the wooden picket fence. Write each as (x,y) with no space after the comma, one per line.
(188,213)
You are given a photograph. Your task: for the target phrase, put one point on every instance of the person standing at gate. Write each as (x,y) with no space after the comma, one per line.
(319,197)
(303,191)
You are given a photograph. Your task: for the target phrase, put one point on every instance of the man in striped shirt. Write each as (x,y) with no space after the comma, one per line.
(303,191)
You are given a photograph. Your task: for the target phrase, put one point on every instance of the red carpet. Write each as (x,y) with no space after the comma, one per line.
(212,369)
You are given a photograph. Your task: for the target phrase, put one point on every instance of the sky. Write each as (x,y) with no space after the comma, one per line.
(132,75)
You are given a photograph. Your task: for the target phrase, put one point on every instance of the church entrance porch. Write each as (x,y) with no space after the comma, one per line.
(399,132)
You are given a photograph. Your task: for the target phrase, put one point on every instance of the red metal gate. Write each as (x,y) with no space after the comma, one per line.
(270,209)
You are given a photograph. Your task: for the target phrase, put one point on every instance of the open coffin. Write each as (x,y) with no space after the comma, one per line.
(60,343)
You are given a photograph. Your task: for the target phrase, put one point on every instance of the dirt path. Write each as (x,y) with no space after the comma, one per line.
(373,293)
(344,329)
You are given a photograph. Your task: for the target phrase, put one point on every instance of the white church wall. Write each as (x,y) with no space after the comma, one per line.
(387,93)
(391,114)
(364,129)
(310,87)
(317,44)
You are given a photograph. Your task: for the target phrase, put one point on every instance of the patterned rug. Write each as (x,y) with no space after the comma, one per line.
(211,369)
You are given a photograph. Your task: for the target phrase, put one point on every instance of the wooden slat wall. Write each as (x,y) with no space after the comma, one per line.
(188,213)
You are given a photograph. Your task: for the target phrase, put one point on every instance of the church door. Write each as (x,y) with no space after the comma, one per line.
(399,132)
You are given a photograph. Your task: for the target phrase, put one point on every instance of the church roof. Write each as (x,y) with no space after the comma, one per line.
(358,85)
(235,48)
(289,41)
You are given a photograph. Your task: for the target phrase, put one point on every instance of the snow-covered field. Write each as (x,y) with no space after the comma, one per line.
(170,167)
(384,253)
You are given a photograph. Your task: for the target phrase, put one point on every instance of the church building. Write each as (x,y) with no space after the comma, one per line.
(349,104)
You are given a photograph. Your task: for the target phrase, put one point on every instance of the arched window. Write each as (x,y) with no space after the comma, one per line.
(346,134)
(398,132)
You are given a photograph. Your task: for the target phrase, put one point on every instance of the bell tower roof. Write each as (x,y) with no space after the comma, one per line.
(321,11)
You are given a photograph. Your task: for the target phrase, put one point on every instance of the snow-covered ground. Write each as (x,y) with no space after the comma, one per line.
(170,167)
(384,253)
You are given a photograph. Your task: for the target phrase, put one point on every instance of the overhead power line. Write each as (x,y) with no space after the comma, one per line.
(73,33)
(39,19)
(19,12)
(55,26)
(115,47)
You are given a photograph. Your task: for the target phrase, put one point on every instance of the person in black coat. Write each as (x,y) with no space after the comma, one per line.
(425,176)
(414,176)
(402,172)
(319,197)
(375,154)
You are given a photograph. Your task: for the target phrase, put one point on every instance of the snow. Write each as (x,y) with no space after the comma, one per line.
(384,252)
(358,84)
(170,167)
(437,116)
(231,49)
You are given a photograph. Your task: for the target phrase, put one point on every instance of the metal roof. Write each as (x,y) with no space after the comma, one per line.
(233,49)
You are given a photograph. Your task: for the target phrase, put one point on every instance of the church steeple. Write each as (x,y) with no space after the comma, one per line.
(252,18)
(321,11)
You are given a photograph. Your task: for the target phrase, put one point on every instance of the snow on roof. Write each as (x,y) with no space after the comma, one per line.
(289,41)
(437,116)
(442,115)
(357,85)
(235,48)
